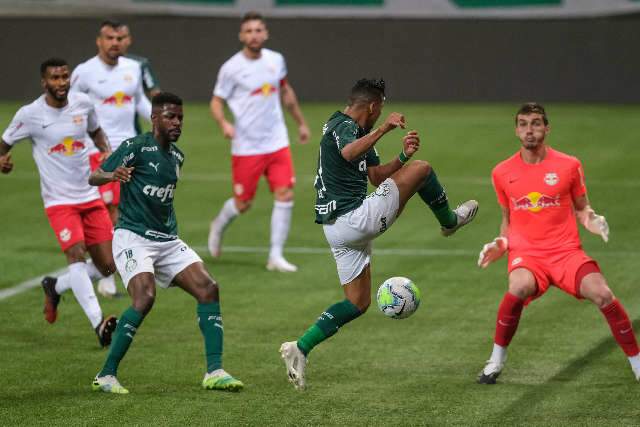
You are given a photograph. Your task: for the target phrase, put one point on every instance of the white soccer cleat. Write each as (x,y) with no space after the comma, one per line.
(108,384)
(490,372)
(281,265)
(295,362)
(465,212)
(214,242)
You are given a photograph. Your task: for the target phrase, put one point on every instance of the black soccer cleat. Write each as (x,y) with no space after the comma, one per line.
(490,373)
(51,298)
(105,330)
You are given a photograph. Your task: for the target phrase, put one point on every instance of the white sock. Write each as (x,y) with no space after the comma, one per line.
(499,354)
(63,283)
(635,363)
(83,291)
(280,224)
(92,270)
(227,214)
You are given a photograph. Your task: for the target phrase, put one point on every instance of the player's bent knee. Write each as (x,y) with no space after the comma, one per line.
(243,205)
(522,289)
(283,194)
(422,166)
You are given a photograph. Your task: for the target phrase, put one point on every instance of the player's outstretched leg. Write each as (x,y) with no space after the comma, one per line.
(295,353)
(219,224)
(196,281)
(507,320)
(419,177)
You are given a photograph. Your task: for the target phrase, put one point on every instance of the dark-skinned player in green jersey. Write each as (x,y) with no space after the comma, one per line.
(351,219)
(146,247)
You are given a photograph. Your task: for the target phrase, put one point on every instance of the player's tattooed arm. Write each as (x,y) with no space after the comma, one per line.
(120,174)
(6,165)
(101,142)
(594,223)
(290,101)
(362,145)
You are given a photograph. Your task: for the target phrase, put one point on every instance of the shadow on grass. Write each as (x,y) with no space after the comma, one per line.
(530,400)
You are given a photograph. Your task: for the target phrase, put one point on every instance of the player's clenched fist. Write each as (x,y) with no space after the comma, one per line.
(122,174)
(392,121)
(410,143)
(492,251)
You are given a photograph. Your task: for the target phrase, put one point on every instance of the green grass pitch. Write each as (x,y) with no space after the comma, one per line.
(563,369)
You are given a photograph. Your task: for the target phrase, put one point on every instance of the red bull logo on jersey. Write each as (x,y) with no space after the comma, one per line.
(67,147)
(535,202)
(118,99)
(264,90)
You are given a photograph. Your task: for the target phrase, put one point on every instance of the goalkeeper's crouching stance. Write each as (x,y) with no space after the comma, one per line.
(543,198)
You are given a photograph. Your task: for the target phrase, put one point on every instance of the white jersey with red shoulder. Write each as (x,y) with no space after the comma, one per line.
(59,146)
(117,94)
(251,88)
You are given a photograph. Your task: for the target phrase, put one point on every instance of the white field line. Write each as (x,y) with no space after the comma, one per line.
(26,285)
(417,252)
(471,180)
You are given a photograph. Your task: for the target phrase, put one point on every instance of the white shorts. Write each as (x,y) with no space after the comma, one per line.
(351,234)
(134,254)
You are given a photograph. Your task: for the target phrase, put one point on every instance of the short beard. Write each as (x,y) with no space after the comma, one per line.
(55,96)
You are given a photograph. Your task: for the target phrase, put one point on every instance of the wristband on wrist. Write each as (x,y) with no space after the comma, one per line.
(403,157)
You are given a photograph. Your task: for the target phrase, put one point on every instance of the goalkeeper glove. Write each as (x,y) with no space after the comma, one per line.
(596,224)
(492,251)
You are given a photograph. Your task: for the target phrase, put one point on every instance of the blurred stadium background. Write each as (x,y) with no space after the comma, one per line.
(458,69)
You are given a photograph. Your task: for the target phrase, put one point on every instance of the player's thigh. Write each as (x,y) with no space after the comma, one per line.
(142,289)
(246,172)
(378,211)
(351,258)
(410,178)
(195,280)
(132,254)
(358,291)
(527,278)
(98,231)
(279,170)
(173,258)
(66,222)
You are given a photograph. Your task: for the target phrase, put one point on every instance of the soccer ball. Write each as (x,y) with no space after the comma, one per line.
(398,297)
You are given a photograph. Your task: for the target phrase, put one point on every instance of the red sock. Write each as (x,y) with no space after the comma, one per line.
(621,327)
(508,317)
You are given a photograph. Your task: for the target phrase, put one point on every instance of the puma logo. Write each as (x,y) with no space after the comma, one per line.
(154,166)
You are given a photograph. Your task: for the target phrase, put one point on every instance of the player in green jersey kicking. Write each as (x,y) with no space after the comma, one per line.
(146,247)
(351,219)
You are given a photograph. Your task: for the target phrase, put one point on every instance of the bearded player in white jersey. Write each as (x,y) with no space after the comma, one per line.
(114,85)
(252,83)
(57,124)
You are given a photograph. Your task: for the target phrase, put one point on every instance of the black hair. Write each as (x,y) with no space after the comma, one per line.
(532,107)
(110,23)
(367,91)
(51,62)
(165,98)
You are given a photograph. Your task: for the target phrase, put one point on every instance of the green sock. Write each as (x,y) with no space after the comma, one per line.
(328,324)
(128,324)
(435,197)
(210,322)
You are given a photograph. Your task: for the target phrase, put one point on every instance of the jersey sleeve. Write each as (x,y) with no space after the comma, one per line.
(283,69)
(18,128)
(77,81)
(92,119)
(503,200)
(225,84)
(143,105)
(149,79)
(125,155)
(372,157)
(343,134)
(578,187)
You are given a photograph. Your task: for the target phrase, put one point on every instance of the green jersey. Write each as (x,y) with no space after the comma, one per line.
(341,185)
(146,201)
